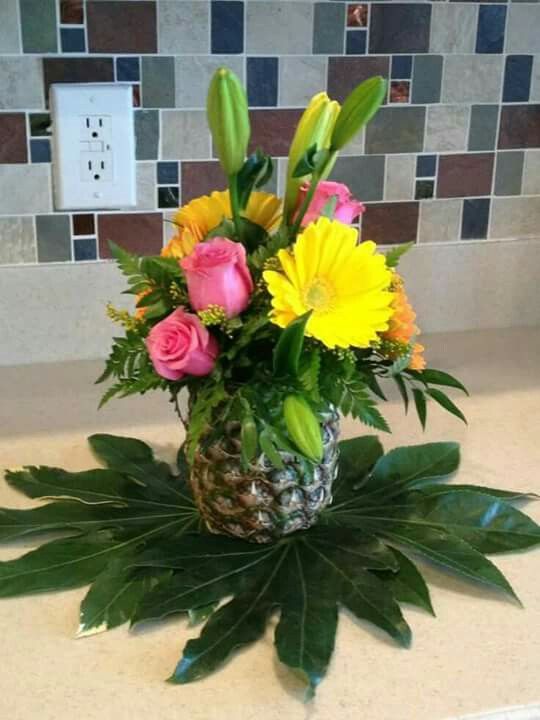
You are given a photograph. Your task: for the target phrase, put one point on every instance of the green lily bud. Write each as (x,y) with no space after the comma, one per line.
(228,119)
(303,427)
(357,110)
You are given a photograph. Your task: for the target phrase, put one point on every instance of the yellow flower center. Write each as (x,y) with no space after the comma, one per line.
(319,295)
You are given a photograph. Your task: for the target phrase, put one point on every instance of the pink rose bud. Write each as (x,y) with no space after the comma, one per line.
(217,274)
(347,208)
(180,345)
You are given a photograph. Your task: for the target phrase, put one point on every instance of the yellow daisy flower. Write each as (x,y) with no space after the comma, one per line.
(346,286)
(198,217)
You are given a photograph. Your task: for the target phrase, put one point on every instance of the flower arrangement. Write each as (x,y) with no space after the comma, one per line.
(277,318)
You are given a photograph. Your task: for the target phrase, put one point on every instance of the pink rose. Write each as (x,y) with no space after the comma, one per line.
(217,274)
(180,345)
(347,208)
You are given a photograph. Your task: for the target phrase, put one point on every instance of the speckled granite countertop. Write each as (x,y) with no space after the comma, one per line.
(481,654)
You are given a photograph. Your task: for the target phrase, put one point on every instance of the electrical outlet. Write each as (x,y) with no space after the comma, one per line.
(93,146)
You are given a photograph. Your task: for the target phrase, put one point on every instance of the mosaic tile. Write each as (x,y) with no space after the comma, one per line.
(193,74)
(17,240)
(509,173)
(201,178)
(522,33)
(400,91)
(345,73)
(184,27)
(472,78)
(158,82)
(515,217)
(491,25)
(356,42)
(38,26)
(146,134)
(136,96)
(453,27)
(465,175)
(40,124)
(184,134)
(399,27)
(520,127)
(357,15)
(40,151)
(76,70)
(128,69)
(446,128)
(427,78)
(73,40)
(168,197)
(402,66)
(531,173)
(262,81)
(53,235)
(167,173)
(535,82)
(72,12)
(517,78)
(21,85)
(363,175)
(328,24)
(426,166)
(475,219)
(146,185)
(9,28)
(140,233)
(227,26)
(424,189)
(483,127)
(400,177)
(300,77)
(439,221)
(273,130)
(391,223)
(13,138)
(396,130)
(25,187)
(121,27)
(279,28)
(84,249)
(84,224)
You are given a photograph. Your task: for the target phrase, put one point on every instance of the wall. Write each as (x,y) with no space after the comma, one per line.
(454,156)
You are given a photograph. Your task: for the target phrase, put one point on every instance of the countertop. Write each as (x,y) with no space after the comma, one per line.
(480,654)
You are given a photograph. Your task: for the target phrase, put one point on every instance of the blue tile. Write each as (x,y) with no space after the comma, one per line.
(517,78)
(474,225)
(167,173)
(356,42)
(73,40)
(490,34)
(85,248)
(40,151)
(401,67)
(262,81)
(128,69)
(426,165)
(227,26)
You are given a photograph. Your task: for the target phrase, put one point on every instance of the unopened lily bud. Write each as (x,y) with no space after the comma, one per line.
(358,109)
(228,119)
(303,427)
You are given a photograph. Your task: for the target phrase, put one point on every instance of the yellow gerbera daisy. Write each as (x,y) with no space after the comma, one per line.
(198,217)
(343,283)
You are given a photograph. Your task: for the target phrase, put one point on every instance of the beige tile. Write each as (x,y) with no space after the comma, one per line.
(522,35)
(184,135)
(21,83)
(535,82)
(25,189)
(146,186)
(515,217)
(279,27)
(472,78)
(400,177)
(300,78)
(10,41)
(183,26)
(17,240)
(453,27)
(439,221)
(446,128)
(531,173)
(193,75)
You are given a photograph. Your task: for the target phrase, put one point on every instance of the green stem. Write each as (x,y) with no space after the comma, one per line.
(235,205)
(305,204)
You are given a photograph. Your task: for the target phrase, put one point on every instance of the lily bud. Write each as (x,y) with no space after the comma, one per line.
(228,119)
(358,109)
(303,427)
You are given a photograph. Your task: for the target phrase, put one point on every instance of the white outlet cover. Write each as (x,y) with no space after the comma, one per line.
(93,146)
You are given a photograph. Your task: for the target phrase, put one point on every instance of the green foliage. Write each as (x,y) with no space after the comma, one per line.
(351,396)
(288,349)
(206,400)
(394,255)
(256,172)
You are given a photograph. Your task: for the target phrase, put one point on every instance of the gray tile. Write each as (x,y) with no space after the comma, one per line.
(522,34)
(17,240)
(363,175)
(453,27)
(400,177)
(483,128)
(185,135)
(53,233)
(515,217)
(158,88)
(509,173)
(531,173)
(183,27)
(535,82)
(446,128)
(21,84)
(277,27)
(472,78)
(9,27)
(328,28)
(25,188)
(146,134)
(427,75)
(146,186)
(396,130)
(300,77)
(193,75)
(38,25)
(439,221)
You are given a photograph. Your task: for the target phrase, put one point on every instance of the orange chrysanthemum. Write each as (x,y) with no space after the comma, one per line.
(402,328)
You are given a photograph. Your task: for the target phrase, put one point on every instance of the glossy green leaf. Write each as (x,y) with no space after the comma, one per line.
(288,349)
(402,391)
(445,402)
(508,495)
(407,584)
(357,456)
(438,377)
(420,405)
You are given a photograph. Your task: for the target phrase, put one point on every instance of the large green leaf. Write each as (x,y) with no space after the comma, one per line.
(288,348)
(407,584)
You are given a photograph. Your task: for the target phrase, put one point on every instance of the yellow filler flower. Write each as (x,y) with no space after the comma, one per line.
(345,285)
(197,218)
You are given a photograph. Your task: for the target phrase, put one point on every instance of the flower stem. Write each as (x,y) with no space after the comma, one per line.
(305,204)
(235,205)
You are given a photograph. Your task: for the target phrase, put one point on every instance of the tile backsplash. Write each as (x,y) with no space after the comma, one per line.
(453,156)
